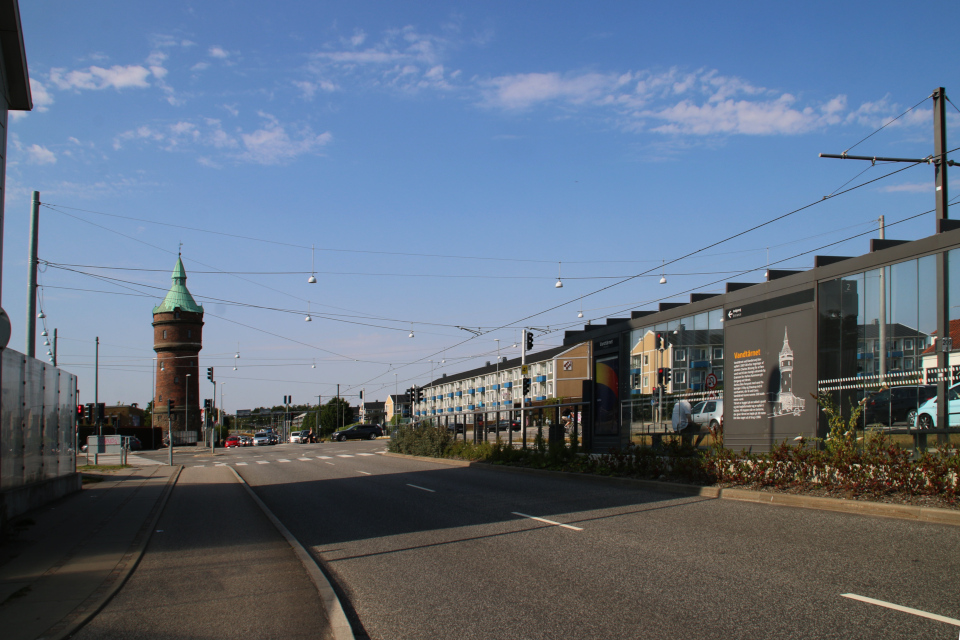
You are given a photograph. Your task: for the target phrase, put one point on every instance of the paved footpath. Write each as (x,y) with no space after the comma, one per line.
(214,565)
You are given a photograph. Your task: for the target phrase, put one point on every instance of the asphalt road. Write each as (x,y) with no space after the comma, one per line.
(420,550)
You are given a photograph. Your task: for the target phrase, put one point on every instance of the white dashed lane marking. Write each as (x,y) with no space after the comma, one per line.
(366,473)
(323,457)
(304,459)
(897,607)
(262,462)
(282,460)
(344,455)
(366,454)
(421,488)
(241,464)
(557,524)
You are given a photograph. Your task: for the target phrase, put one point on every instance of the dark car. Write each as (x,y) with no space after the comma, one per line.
(359,432)
(456,427)
(896,404)
(135,444)
(503,425)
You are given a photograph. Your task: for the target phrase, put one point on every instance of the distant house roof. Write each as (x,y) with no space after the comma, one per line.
(399,398)
(894,330)
(179,295)
(954,338)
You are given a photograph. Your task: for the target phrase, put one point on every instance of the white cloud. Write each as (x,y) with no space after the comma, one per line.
(41,97)
(40,155)
(273,145)
(218,52)
(200,66)
(309,89)
(524,90)
(118,77)
(358,38)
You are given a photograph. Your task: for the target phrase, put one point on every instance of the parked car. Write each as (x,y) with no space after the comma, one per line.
(455,427)
(232,441)
(503,425)
(897,404)
(359,432)
(261,439)
(300,437)
(927,412)
(246,441)
(707,413)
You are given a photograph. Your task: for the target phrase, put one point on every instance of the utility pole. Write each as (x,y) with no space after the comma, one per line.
(944,223)
(96,386)
(32,276)
(317,426)
(54,346)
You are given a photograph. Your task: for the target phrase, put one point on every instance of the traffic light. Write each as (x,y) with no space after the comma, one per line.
(207,403)
(101,410)
(529,340)
(361,395)
(79,412)
(169,406)
(658,344)
(210,374)
(667,375)
(526,387)
(420,394)
(660,372)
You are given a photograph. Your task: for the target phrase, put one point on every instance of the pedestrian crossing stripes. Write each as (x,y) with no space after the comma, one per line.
(282,460)
(304,459)
(323,458)
(344,455)
(262,462)
(366,454)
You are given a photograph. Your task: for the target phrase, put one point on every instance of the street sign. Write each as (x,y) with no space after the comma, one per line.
(711,381)
(524,369)
(568,365)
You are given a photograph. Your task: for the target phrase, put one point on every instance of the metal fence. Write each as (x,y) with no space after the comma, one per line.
(37,418)
(556,421)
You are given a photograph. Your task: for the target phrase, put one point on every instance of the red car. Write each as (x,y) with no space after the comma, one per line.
(233,441)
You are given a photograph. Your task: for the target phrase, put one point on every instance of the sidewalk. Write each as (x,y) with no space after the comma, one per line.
(69,555)
(213,565)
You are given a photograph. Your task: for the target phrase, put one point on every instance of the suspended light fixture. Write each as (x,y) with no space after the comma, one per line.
(308,318)
(46,343)
(559,284)
(663,278)
(44,333)
(314,365)
(41,315)
(411,334)
(313,278)
(766,274)
(580,313)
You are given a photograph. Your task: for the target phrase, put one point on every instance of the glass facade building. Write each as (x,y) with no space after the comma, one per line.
(864,331)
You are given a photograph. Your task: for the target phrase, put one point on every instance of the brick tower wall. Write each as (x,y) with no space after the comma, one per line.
(177,339)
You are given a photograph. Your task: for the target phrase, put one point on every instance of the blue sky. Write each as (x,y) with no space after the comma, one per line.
(442,159)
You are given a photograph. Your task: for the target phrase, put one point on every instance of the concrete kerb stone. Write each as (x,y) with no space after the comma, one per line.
(339,625)
(860,507)
(95,603)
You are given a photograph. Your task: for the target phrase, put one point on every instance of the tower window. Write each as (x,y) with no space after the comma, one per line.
(161,397)
(176,380)
(176,314)
(164,334)
(189,333)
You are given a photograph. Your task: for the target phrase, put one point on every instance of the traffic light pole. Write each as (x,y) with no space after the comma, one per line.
(523,385)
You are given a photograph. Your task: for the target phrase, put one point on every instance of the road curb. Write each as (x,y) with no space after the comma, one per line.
(840,505)
(339,625)
(97,600)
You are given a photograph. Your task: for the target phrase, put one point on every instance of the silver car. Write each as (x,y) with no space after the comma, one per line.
(261,439)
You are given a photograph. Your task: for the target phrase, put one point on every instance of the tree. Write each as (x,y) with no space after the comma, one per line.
(148,415)
(335,413)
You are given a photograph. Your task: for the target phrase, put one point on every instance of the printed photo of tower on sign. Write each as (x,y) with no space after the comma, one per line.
(785,402)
